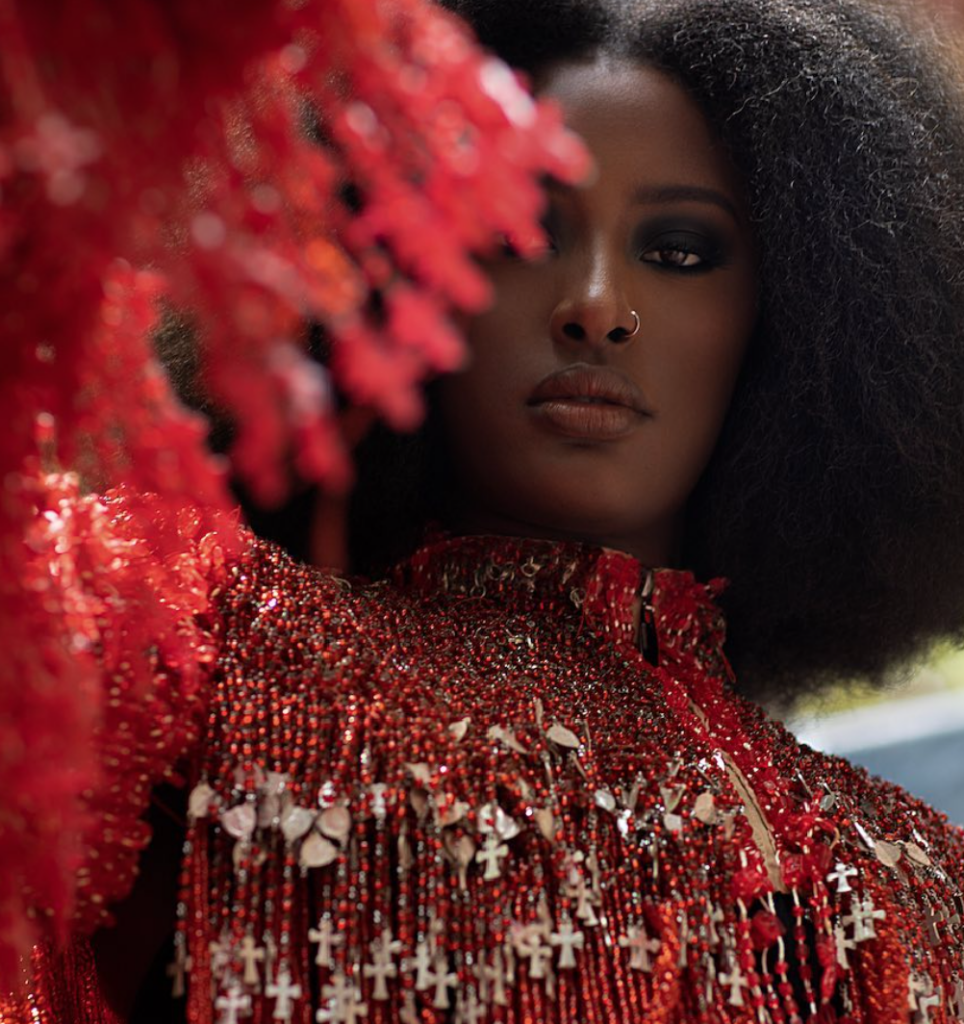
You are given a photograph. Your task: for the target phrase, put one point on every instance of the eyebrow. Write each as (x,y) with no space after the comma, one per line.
(661,194)
(687,194)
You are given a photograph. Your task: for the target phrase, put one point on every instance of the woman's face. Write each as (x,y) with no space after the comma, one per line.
(563,425)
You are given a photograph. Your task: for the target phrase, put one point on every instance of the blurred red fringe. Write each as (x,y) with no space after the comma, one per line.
(162,151)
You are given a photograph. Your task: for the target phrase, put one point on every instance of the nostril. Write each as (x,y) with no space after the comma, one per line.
(575,331)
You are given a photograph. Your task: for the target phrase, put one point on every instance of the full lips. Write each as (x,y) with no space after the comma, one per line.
(595,421)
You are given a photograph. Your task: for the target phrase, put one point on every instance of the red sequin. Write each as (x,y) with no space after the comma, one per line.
(463,793)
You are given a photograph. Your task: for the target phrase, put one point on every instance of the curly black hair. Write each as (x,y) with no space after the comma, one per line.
(834,501)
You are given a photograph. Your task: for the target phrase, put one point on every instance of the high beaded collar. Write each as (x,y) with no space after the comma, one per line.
(600,586)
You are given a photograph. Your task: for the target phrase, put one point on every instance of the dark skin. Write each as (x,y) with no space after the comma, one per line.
(660,230)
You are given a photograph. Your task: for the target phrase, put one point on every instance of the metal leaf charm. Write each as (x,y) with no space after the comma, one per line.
(200,801)
(454,813)
(406,858)
(459,729)
(868,839)
(271,797)
(605,800)
(704,809)
(632,797)
(418,798)
(295,822)
(317,852)
(546,822)
(540,711)
(379,800)
(887,853)
(563,737)
(461,850)
(917,855)
(672,796)
(506,737)
(335,823)
(493,819)
(239,821)
(673,822)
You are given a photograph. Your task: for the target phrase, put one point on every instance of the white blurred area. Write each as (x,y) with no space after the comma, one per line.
(913,735)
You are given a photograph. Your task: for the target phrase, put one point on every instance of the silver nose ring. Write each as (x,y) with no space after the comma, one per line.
(621,335)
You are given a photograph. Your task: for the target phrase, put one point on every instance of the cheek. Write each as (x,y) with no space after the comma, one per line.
(502,358)
(717,334)
(696,370)
(475,403)
(704,371)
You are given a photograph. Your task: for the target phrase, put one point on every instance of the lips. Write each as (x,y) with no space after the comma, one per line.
(597,385)
(590,403)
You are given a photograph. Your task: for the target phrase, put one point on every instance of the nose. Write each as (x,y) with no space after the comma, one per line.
(593,309)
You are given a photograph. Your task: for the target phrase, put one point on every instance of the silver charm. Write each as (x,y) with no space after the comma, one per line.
(640,946)
(220,961)
(231,1004)
(493,975)
(182,965)
(409,1012)
(932,919)
(201,801)
(284,993)
(493,850)
(844,945)
(251,955)
(684,941)
(240,822)
(335,823)
(383,949)
(344,1003)
(736,982)
(529,944)
(841,873)
(956,1002)
(317,852)
(714,917)
(922,997)
(468,1009)
(888,854)
(492,818)
(442,979)
(861,918)
(327,941)
(568,940)
(421,963)
(296,822)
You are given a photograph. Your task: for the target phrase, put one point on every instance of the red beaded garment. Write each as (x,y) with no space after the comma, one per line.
(463,794)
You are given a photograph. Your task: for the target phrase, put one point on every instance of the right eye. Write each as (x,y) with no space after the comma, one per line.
(531,248)
(682,251)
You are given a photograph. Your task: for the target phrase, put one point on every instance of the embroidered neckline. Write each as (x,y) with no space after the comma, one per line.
(599,585)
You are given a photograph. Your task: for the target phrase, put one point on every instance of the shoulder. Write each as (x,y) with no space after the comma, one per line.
(288,614)
(902,831)
(877,821)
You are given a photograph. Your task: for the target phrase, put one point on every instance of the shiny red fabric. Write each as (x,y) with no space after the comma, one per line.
(462,793)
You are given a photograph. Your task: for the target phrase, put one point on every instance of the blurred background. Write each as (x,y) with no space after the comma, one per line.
(911,732)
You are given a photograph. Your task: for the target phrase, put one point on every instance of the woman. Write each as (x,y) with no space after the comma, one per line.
(511,779)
